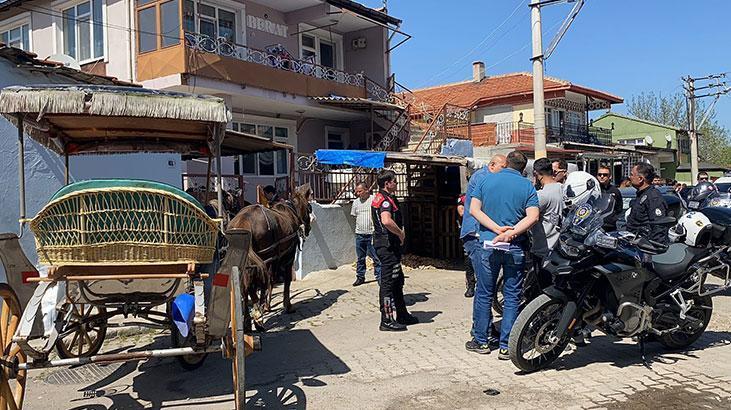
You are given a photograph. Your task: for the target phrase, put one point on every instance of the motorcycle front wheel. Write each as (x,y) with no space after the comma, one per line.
(532,343)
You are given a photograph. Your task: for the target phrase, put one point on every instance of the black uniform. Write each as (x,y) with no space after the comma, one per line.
(647,207)
(388,250)
(610,221)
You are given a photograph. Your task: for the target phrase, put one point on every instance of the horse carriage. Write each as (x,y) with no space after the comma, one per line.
(124,249)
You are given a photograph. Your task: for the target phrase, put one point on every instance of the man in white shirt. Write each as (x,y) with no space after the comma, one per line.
(361,210)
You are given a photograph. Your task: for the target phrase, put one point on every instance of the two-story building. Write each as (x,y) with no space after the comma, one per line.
(502,109)
(309,73)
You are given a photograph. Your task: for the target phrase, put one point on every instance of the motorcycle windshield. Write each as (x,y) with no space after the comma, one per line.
(717,200)
(589,217)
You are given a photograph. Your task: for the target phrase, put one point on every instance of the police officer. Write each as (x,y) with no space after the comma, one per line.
(647,207)
(388,238)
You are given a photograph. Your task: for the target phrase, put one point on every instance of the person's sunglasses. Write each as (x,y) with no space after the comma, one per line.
(703,179)
(602,175)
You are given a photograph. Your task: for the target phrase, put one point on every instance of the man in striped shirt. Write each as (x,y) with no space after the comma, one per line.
(361,210)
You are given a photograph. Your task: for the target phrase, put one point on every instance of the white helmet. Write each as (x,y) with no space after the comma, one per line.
(579,187)
(694,227)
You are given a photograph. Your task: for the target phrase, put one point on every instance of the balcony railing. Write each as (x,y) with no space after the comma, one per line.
(277,57)
(522,132)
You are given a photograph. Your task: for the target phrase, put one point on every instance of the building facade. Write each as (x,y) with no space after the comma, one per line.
(501,111)
(672,143)
(309,73)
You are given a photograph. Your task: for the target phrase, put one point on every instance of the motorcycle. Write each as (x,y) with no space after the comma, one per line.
(619,284)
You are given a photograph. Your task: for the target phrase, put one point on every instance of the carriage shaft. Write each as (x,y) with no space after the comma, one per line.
(118,357)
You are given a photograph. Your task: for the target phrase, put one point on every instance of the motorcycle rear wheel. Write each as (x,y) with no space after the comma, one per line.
(531,334)
(701,310)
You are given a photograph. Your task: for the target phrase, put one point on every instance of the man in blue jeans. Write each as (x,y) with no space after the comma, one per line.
(506,206)
(469,227)
(361,210)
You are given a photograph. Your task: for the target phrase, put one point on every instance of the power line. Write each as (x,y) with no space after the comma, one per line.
(475,48)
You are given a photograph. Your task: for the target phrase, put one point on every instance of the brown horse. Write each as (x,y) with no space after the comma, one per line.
(274,239)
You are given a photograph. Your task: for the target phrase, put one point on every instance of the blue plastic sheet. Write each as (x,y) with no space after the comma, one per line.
(365,159)
(458,148)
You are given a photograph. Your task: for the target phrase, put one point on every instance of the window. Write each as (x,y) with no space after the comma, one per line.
(17,37)
(83,31)
(336,139)
(154,33)
(213,22)
(633,141)
(321,47)
(264,163)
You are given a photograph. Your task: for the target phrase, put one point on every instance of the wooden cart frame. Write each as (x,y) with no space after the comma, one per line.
(82,119)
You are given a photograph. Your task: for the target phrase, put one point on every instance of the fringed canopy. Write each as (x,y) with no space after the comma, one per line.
(81,119)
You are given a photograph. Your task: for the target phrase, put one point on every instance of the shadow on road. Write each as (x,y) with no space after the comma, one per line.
(307,303)
(606,349)
(287,358)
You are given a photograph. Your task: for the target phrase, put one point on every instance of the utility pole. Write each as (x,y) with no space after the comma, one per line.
(539,101)
(718,88)
(539,111)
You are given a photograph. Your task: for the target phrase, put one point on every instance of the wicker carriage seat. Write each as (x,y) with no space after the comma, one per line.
(123,222)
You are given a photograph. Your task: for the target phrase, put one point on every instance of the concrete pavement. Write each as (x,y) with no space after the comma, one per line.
(329,354)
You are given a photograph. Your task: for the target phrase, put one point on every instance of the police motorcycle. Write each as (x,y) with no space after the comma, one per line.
(705,224)
(619,284)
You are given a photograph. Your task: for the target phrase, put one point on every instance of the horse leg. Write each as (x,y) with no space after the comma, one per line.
(287,281)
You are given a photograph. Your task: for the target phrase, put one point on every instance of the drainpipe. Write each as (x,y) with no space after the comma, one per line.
(131,39)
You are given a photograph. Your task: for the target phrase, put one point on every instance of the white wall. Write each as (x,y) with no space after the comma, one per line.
(331,242)
(498,114)
(44,169)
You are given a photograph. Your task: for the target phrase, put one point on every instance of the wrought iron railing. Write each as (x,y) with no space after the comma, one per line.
(278,57)
(522,132)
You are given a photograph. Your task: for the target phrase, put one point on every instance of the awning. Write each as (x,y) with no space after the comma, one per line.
(356,103)
(89,119)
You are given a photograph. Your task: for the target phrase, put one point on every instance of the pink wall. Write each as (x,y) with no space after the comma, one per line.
(261,39)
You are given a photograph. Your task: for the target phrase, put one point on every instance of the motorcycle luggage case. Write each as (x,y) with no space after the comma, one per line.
(721,219)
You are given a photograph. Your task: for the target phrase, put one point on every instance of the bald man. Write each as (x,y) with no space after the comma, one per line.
(469,227)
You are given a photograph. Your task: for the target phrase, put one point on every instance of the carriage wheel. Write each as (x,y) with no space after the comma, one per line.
(12,383)
(237,336)
(82,337)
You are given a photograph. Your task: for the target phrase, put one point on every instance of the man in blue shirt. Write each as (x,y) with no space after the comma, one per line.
(506,205)
(469,227)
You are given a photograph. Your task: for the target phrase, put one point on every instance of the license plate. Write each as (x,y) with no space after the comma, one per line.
(693,204)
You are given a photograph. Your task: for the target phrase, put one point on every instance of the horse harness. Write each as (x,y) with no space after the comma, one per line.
(275,245)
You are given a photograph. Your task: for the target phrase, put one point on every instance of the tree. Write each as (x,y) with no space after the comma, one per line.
(714,140)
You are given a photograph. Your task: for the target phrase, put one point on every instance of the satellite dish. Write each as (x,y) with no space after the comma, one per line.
(649,140)
(668,138)
(66,60)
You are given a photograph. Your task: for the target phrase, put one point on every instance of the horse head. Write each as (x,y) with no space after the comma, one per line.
(301,200)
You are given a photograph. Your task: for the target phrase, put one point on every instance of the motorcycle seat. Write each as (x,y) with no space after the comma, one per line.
(675,262)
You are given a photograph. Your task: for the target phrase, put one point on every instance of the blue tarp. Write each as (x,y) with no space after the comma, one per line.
(457,148)
(365,159)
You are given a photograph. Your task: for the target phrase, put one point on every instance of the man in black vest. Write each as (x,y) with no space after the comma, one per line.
(388,238)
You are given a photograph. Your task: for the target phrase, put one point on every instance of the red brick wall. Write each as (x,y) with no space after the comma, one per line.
(483,134)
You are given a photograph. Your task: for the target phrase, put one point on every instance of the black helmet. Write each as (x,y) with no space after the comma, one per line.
(702,191)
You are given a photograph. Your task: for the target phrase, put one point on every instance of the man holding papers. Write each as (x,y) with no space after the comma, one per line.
(506,206)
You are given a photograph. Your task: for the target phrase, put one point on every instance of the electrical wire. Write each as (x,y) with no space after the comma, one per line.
(475,48)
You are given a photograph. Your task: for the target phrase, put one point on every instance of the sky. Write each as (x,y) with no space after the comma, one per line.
(623,47)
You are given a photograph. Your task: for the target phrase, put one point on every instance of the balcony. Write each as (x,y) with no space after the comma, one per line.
(272,69)
(522,133)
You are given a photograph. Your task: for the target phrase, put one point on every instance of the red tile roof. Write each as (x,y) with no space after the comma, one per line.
(497,88)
